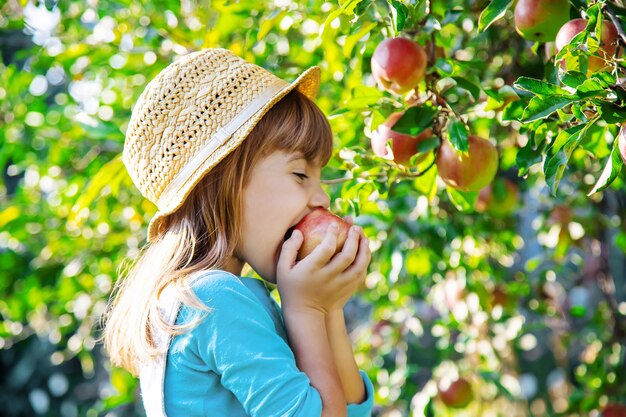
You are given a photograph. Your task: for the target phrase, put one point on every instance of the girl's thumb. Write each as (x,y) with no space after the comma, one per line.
(289,251)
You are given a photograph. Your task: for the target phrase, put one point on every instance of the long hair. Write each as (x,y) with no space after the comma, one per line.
(204,231)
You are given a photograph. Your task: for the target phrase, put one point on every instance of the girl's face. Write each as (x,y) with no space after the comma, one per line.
(282,189)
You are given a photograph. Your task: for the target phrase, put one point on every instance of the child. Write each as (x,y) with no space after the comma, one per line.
(231,155)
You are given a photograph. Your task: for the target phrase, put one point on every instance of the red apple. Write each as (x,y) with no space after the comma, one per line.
(498,198)
(458,395)
(608,42)
(313,227)
(403,146)
(470,171)
(621,144)
(539,20)
(399,64)
(614,410)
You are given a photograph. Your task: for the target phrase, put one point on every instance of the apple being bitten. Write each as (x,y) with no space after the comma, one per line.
(314,227)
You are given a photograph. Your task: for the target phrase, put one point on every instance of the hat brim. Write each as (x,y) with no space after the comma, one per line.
(307,83)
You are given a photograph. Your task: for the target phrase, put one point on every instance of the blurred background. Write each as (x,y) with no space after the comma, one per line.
(515,307)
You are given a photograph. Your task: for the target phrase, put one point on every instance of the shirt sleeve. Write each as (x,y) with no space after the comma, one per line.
(239,341)
(363,409)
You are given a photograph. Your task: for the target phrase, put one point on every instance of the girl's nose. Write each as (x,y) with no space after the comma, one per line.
(320,198)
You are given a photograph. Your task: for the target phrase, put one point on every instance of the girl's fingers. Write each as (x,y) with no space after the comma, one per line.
(361,262)
(349,219)
(347,255)
(289,252)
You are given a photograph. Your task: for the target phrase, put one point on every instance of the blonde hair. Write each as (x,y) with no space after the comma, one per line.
(203,233)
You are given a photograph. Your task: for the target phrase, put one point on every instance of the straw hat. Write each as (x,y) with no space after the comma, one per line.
(191,115)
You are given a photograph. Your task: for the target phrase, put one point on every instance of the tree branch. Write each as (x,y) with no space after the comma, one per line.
(384,176)
(616,23)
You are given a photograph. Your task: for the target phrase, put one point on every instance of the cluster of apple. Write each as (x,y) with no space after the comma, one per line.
(398,66)
(548,21)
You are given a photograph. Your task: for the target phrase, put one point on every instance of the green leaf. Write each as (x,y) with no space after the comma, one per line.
(527,157)
(611,170)
(466,84)
(114,169)
(514,111)
(376,119)
(559,153)
(457,134)
(463,201)
(415,119)
(573,78)
(427,184)
(495,378)
(269,22)
(428,144)
(540,88)
(364,96)
(401,14)
(610,112)
(347,7)
(352,40)
(542,107)
(589,88)
(494,11)
(605,78)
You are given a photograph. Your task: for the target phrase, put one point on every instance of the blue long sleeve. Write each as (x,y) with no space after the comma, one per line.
(236,361)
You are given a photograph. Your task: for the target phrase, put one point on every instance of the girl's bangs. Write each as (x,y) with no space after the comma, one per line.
(295,124)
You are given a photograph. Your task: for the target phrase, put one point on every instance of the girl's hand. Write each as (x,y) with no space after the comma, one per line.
(321,281)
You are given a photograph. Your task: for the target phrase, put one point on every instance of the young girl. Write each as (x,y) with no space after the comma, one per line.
(231,155)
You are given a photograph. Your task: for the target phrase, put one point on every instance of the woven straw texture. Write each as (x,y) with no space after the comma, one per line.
(192,115)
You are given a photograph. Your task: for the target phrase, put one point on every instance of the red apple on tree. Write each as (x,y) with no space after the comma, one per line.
(614,410)
(539,20)
(621,144)
(470,171)
(403,146)
(399,64)
(608,42)
(498,198)
(458,395)
(313,227)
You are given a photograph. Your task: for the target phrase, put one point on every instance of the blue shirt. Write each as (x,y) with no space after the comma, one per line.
(237,361)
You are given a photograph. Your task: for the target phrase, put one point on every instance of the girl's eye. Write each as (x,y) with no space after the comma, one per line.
(300,175)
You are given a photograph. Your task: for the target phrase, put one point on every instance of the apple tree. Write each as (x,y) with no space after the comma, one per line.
(478,143)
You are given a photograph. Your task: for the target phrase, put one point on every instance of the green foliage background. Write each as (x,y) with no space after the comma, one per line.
(529,307)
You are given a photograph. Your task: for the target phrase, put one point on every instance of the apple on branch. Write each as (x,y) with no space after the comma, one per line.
(539,20)
(614,410)
(608,42)
(457,395)
(470,171)
(403,146)
(399,64)
(314,226)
